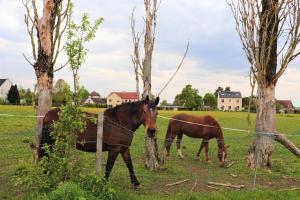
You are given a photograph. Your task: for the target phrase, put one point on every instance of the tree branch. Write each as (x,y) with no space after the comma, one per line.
(28,60)
(62,66)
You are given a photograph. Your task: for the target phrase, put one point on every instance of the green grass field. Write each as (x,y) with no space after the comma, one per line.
(285,173)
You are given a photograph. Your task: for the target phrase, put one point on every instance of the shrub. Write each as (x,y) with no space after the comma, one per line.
(98,187)
(67,191)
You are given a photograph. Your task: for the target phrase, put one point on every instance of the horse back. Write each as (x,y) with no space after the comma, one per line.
(195,126)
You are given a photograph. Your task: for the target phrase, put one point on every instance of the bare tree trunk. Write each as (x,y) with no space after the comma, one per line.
(260,25)
(44,86)
(48,36)
(137,85)
(151,160)
(259,154)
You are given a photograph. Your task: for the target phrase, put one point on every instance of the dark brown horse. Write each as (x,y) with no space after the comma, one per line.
(120,123)
(205,127)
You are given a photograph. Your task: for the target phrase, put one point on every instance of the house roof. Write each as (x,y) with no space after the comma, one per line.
(286,103)
(94,93)
(126,95)
(99,100)
(230,95)
(2,81)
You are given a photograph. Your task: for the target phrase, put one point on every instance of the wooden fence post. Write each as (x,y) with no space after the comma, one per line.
(99,143)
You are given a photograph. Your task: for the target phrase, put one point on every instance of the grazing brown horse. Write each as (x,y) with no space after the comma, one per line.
(204,127)
(120,123)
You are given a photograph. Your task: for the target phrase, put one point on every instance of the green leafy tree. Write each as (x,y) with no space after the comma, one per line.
(13,95)
(83,93)
(60,91)
(219,89)
(164,103)
(22,93)
(77,36)
(245,103)
(189,98)
(210,100)
(227,89)
(28,96)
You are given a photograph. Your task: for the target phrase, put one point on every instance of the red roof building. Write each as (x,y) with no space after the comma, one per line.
(117,98)
(286,106)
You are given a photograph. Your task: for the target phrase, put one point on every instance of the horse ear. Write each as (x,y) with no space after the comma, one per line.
(146,101)
(156,100)
(226,147)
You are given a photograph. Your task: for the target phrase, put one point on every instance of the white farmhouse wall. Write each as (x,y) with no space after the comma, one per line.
(113,100)
(4,89)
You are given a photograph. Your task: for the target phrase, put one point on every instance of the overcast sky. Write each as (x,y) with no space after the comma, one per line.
(215,57)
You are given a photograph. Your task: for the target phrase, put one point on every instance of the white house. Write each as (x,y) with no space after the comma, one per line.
(5,86)
(94,98)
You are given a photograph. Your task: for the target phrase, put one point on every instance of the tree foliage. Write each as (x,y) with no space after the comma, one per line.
(209,99)
(13,95)
(77,36)
(245,103)
(164,103)
(189,98)
(220,89)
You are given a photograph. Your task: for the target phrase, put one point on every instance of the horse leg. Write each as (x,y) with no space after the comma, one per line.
(178,142)
(168,143)
(200,149)
(206,152)
(127,159)
(112,156)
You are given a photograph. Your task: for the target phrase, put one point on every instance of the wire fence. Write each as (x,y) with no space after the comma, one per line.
(188,174)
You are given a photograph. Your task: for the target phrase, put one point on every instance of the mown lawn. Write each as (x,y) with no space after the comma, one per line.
(284,174)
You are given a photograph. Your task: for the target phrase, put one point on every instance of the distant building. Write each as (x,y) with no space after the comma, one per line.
(230,101)
(117,98)
(5,86)
(94,98)
(286,106)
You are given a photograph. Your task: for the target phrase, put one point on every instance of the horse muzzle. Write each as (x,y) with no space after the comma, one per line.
(151,131)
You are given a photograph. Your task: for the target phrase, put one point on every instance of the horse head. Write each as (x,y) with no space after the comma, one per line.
(222,154)
(150,114)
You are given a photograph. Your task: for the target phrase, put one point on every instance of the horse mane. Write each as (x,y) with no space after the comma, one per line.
(133,107)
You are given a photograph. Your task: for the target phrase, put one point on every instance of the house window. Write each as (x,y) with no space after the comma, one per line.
(229,107)
(222,100)
(222,107)
(237,100)
(109,100)
(237,108)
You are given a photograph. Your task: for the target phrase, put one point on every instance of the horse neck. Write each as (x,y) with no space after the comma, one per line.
(129,115)
(220,139)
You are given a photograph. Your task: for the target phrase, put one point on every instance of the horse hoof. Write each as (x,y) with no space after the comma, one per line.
(136,186)
(197,158)
(208,161)
(222,165)
(181,157)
